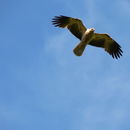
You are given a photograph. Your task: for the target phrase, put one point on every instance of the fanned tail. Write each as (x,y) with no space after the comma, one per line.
(79,49)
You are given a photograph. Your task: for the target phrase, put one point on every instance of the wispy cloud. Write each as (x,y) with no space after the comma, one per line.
(109,104)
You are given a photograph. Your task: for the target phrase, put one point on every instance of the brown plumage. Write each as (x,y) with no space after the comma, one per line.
(87,36)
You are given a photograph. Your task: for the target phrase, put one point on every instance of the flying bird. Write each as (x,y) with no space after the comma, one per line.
(87,36)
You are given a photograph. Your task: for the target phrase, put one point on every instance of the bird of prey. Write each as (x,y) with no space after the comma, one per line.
(87,36)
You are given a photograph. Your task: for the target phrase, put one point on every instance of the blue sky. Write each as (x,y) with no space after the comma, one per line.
(44,86)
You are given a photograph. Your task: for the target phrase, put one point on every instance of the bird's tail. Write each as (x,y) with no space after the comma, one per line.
(79,49)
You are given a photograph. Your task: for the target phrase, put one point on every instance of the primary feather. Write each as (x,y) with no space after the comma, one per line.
(106,42)
(76,27)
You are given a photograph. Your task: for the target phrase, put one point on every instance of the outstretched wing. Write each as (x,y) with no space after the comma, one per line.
(106,42)
(75,26)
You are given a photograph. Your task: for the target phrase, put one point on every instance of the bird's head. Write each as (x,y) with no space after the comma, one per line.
(91,30)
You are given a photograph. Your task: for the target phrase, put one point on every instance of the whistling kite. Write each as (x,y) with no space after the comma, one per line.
(87,36)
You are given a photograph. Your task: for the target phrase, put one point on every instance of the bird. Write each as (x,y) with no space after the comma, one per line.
(87,36)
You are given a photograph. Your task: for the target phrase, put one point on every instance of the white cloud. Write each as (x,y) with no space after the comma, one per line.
(56,46)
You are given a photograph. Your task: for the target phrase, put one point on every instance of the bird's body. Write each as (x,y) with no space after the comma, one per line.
(88,36)
(85,40)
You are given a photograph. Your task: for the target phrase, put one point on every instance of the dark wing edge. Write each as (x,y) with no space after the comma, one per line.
(109,45)
(74,25)
(113,48)
(61,21)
